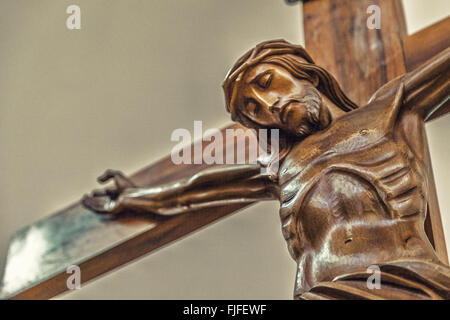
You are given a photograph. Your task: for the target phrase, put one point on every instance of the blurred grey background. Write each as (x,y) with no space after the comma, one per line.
(74,102)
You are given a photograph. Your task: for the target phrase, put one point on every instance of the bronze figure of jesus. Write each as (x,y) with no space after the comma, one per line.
(351,180)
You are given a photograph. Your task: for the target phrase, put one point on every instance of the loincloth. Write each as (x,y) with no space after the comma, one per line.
(399,280)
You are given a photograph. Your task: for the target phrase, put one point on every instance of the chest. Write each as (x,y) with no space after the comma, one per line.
(383,159)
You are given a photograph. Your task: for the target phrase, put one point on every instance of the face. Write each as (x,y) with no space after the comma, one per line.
(273,97)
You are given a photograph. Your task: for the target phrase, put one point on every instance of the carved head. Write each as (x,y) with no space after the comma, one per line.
(277,85)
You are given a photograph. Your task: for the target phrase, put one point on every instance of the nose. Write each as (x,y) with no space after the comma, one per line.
(267,101)
(275,106)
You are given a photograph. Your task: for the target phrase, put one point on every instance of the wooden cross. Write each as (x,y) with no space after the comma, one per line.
(337,38)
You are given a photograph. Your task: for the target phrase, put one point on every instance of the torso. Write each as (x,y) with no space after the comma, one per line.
(360,183)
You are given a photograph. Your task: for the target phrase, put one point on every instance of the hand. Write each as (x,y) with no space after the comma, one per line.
(108,200)
(102,204)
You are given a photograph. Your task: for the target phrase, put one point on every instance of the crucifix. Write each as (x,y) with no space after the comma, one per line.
(353,177)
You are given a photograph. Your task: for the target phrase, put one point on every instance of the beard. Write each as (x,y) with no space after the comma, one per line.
(301,114)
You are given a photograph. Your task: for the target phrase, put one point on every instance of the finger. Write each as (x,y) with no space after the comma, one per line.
(108,192)
(108,174)
(97,204)
(122,182)
(112,193)
(99,193)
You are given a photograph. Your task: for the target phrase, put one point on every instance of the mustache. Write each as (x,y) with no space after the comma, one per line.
(309,93)
(310,100)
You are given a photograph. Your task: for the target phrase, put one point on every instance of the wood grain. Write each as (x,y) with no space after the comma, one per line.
(423,45)
(361,59)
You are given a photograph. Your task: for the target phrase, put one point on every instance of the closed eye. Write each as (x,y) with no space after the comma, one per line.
(263,80)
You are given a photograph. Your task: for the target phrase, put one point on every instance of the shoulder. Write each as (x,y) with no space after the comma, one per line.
(388,90)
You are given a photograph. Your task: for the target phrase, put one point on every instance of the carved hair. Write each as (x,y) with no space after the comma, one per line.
(297,61)
(292,57)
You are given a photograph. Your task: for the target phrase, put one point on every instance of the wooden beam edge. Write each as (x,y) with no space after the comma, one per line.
(126,252)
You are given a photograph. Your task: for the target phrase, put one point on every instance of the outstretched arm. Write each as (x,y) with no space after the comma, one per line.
(427,88)
(210,187)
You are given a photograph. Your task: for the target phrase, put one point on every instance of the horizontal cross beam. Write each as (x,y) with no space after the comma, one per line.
(40,253)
